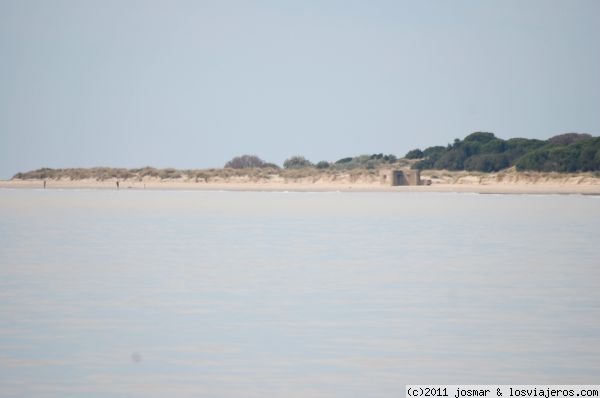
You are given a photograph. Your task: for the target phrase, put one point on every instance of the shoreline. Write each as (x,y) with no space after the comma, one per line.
(481,188)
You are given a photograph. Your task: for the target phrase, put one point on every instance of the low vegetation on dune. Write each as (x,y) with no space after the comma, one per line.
(250,174)
(478,152)
(250,167)
(145,173)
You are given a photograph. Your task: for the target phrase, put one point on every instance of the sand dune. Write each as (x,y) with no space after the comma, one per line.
(508,181)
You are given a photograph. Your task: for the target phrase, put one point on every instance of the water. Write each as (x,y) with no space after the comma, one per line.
(249,294)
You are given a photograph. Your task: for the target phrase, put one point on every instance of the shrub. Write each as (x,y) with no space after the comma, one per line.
(424,164)
(169,173)
(365,161)
(343,160)
(244,162)
(296,162)
(270,166)
(380,157)
(323,164)
(390,158)
(414,154)
(434,152)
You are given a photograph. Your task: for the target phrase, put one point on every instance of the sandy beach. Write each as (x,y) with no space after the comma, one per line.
(464,184)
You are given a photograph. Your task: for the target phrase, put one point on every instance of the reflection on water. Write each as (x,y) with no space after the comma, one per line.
(242,294)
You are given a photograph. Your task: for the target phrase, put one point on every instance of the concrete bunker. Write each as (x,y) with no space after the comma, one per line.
(401,177)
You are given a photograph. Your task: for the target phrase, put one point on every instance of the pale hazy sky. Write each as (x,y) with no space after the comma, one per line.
(190,84)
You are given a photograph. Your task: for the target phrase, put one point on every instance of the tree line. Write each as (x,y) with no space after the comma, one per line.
(483,151)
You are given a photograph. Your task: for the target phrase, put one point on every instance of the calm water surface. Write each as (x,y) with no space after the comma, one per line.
(248,294)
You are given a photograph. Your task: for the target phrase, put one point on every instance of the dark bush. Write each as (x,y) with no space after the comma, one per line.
(244,162)
(271,166)
(296,162)
(414,154)
(434,152)
(343,160)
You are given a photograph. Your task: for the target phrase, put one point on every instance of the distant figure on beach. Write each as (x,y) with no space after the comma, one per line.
(117,184)
(44,184)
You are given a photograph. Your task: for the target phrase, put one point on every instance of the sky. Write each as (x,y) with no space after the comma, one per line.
(191,84)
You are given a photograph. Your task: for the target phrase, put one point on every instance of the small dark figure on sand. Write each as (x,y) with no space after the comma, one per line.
(117,184)
(44,184)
